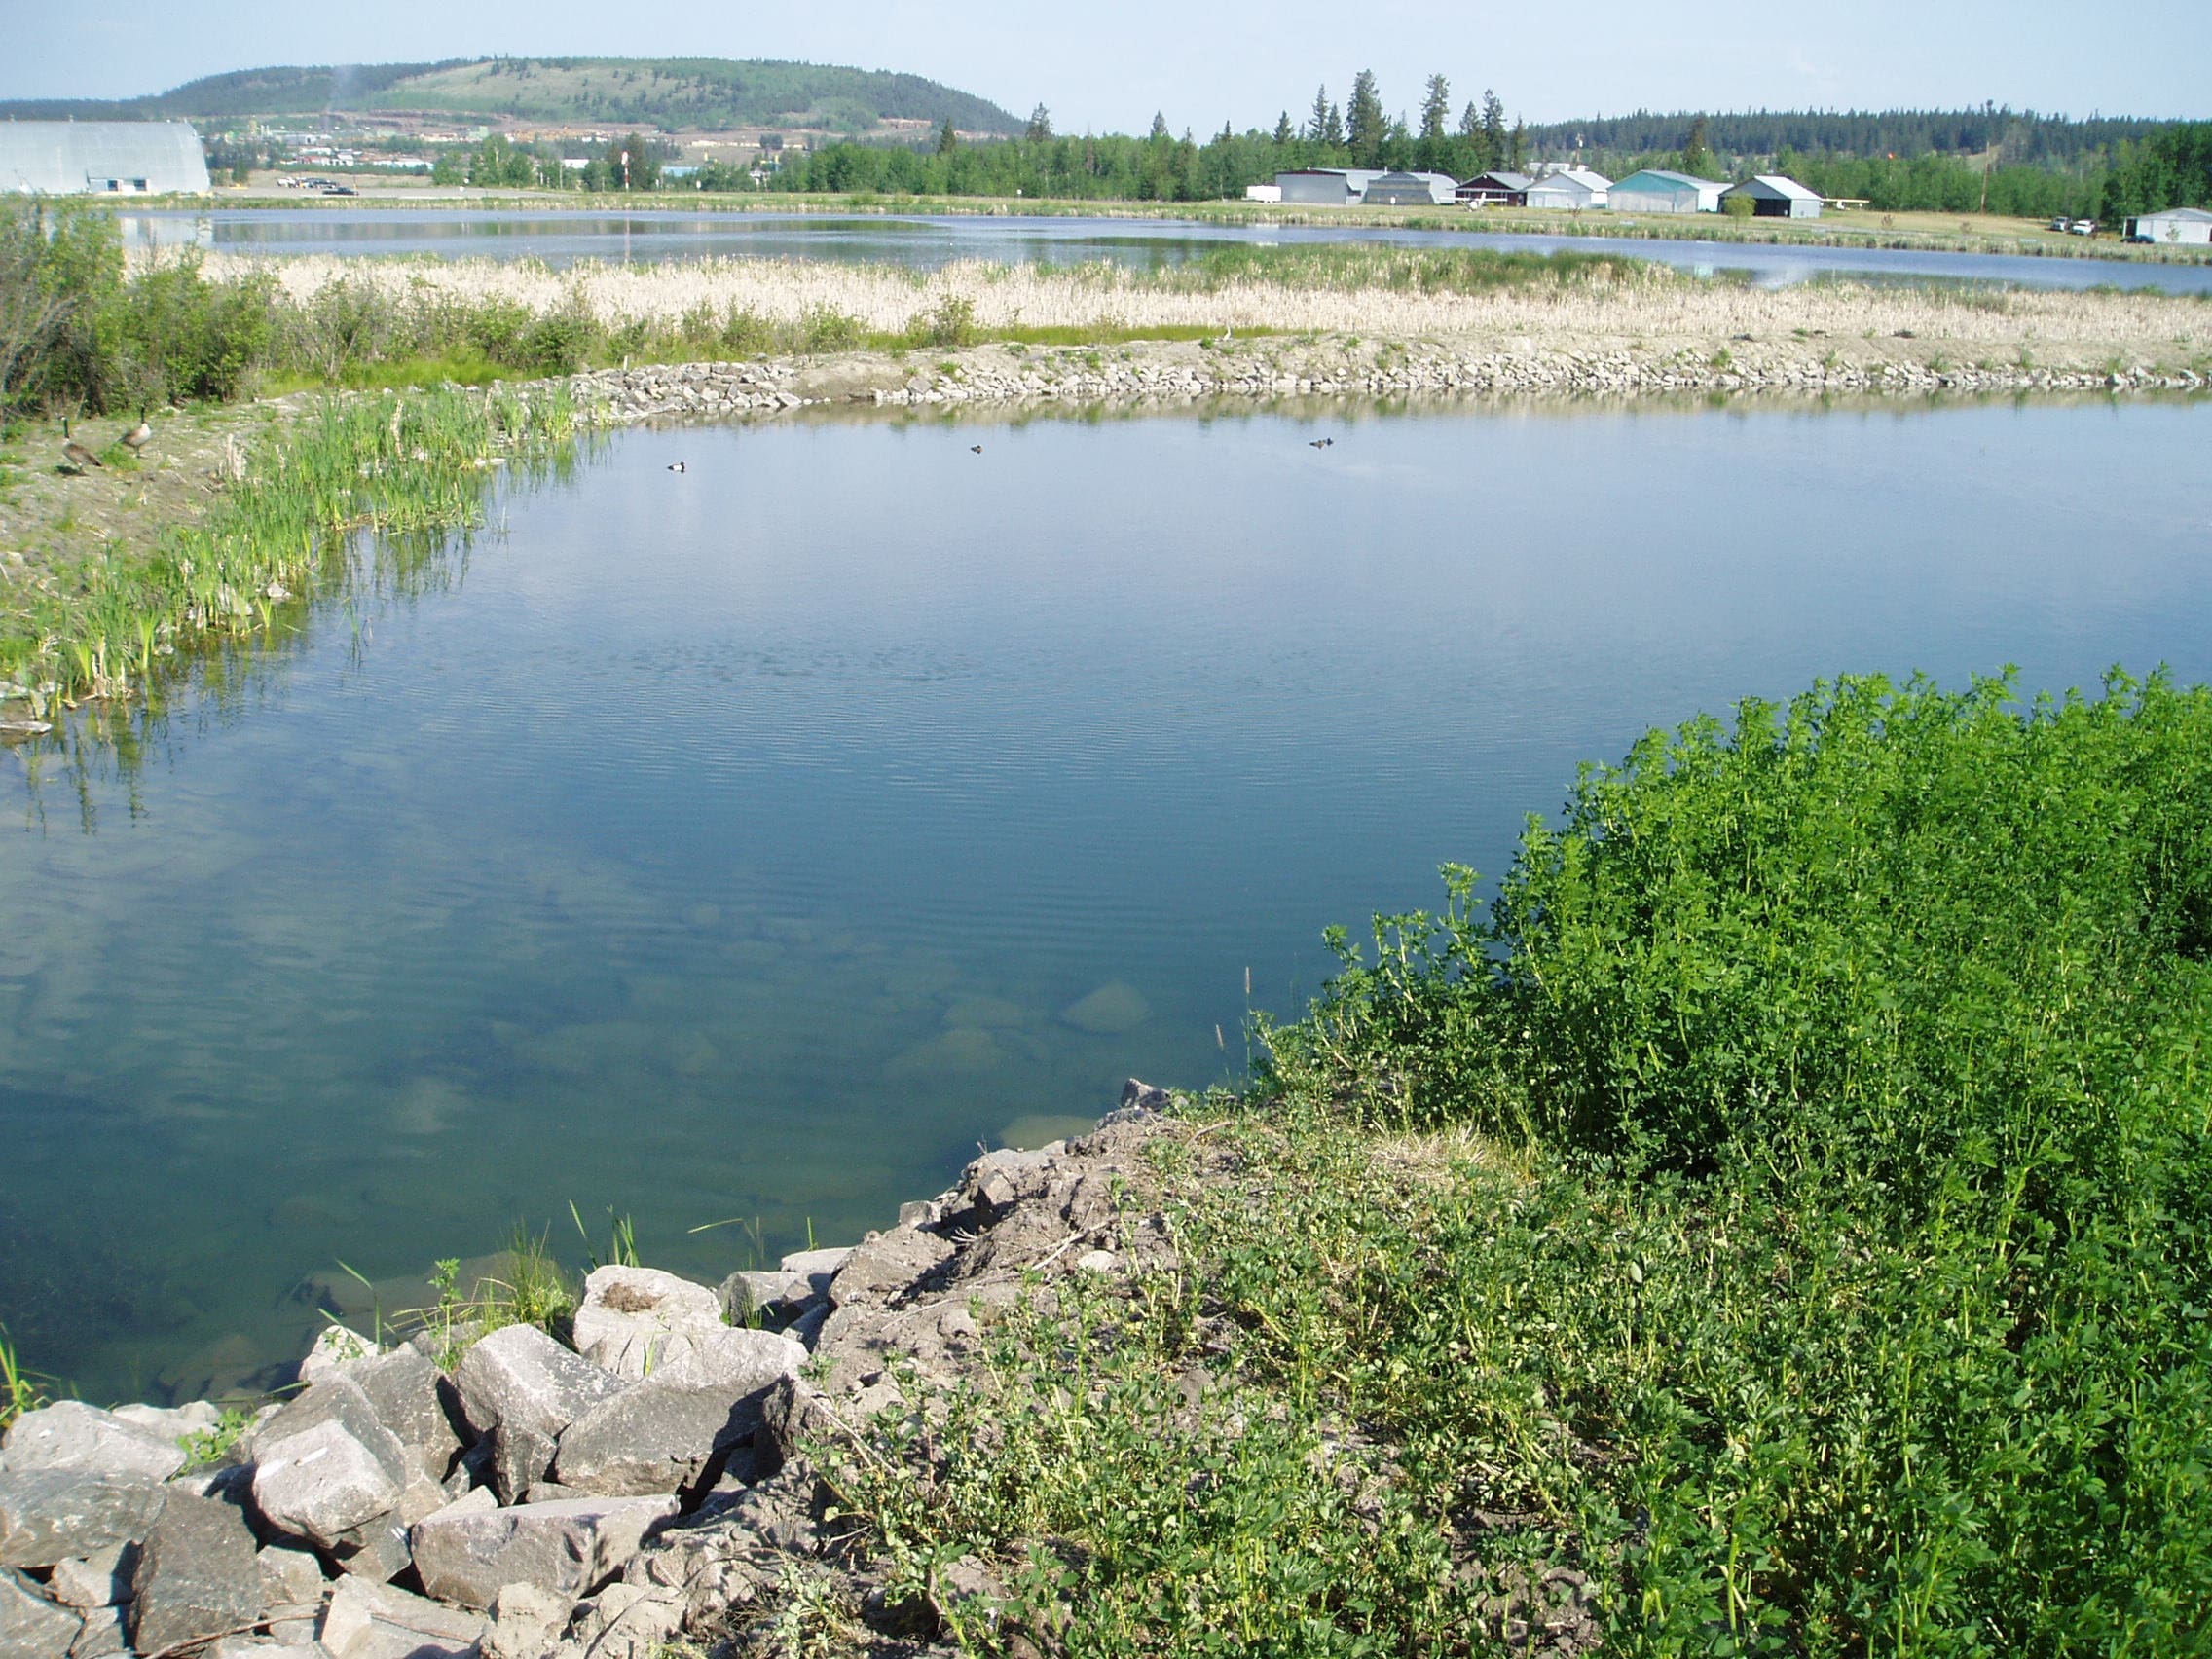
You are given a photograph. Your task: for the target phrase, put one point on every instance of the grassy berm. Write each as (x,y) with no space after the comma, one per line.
(1781,1224)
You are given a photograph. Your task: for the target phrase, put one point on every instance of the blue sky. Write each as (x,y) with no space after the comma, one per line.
(1109,68)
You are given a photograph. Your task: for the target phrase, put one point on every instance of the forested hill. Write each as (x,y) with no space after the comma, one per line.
(2020,137)
(668,92)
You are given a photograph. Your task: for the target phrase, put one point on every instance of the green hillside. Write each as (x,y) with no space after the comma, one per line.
(668,93)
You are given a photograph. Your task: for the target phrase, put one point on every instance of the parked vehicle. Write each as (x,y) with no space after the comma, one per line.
(2062,223)
(2084,227)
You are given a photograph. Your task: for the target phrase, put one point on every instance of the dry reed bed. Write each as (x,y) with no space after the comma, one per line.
(1622,302)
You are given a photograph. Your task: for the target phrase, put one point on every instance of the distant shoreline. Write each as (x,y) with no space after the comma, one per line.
(2025,243)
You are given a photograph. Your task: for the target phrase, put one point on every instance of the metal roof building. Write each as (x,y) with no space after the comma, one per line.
(1326,187)
(2176,225)
(1773,197)
(1495,190)
(1410,190)
(101,158)
(1569,189)
(1654,190)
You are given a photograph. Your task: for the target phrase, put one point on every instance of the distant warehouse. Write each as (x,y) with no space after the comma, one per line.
(1572,190)
(101,158)
(1410,190)
(1773,197)
(2174,225)
(1326,187)
(1657,191)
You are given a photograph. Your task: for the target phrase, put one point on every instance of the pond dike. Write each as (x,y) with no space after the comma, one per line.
(1271,368)
(644,1482)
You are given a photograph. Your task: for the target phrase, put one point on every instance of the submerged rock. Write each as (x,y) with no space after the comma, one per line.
(1115,1007)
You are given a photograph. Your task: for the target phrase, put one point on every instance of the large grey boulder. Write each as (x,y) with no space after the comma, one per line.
(525,1622)
(817,1267)
(30,1626)
(336,1346)
(50,1515)
(408,1394)
(633,1320)
(289,1577)
(521,1388)
(72,1435)
(750,1295)
(375,1621)
(196,1576)
(661,1435)
(568,1548)
(888,1265)
(102,1579)
(324,1466)
(106,1633)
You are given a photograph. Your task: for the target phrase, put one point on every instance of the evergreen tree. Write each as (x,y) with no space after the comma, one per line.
(1285,133)
(1471,121)
(1365,126)
(1333,135)
(1159,131)
(1493,128)
(947,140)
(1697,154)
(1520,145)
(1435,107)
(1040,125)
(1317,128)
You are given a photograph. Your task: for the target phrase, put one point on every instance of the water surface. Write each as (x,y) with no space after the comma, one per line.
(753,842)
(927,242)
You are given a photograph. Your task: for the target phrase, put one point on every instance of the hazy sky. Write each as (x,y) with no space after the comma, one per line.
(1110,67)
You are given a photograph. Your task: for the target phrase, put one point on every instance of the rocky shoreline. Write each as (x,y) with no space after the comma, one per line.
(648,1483)
(1268,370)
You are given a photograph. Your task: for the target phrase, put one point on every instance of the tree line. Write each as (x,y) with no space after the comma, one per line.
(2009,137)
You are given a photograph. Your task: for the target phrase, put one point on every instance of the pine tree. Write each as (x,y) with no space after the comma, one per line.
(1040,125)
(1317,128)
(1697,154)
(1471,121)
(1365,126)
(1333,135)
(1160,126)
(1493,126)
(1436,107)
(947,140)
(1285,133)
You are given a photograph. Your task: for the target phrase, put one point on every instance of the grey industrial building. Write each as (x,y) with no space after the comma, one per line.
(101,158)
(1410,190)
(1571,190)
(1773,197)
(1326,187)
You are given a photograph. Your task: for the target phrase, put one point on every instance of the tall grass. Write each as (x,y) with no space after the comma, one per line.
(349,489)
(654,310)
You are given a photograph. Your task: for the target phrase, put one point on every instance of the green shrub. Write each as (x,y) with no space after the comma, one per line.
(824,328)
(950,322)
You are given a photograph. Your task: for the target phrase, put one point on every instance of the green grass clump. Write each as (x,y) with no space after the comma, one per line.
(20,1389)
(353,491)
(1780,1222)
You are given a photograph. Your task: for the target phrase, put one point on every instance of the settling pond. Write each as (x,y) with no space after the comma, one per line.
(752,842)
(928,242)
